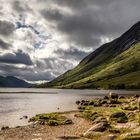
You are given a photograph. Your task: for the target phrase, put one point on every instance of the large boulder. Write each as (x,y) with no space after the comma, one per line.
(97,129)
(113,95)
(119,117)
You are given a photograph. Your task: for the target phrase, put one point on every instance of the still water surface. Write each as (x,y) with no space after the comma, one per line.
(17,102)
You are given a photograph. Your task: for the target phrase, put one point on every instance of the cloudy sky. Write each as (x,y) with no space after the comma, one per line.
(41,39)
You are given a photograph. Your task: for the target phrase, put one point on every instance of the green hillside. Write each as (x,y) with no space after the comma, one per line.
(122,71)
(115,65)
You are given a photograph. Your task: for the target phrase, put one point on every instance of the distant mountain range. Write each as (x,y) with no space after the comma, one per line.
(11,81)
(115,65)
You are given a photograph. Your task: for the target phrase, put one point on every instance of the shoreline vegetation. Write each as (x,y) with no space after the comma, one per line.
(112,117)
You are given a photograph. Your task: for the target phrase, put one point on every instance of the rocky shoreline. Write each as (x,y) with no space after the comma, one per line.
(113,117)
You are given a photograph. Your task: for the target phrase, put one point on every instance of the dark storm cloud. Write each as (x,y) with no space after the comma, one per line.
(75,27)
(11,69)
(82,3)
(25,73)
(83,31)
(77,3)
(79,28)
(46,69)
(16,58)
(71,3)
(52,14)
(6,28)
(4,45)
(92,20)
(71,54)
(87,29)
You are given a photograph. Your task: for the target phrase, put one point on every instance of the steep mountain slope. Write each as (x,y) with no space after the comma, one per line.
(11,81)
(113,65)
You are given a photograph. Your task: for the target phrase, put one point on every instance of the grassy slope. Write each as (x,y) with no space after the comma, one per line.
(123,70)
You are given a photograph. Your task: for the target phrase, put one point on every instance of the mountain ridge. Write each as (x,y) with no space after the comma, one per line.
(11,81)
(91,65)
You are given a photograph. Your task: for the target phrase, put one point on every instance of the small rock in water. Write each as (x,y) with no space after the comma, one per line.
(25,117)
(77,102)
(5,127)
